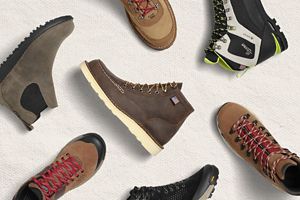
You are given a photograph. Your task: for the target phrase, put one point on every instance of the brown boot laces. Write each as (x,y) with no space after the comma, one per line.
(158,86)
(260,144)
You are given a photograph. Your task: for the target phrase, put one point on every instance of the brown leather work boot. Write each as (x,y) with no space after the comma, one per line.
(153,20)
(153,113)
(248,137)
(26,84)
(77,162)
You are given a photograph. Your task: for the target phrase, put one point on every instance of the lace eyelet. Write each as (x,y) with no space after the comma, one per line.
(243,147)
(237,139)
(248,154)
(247,116)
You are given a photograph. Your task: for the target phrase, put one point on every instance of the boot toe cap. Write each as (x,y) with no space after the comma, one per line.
(99,143)
(228,115)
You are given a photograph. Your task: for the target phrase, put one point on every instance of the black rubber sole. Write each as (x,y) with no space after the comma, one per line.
(273,24)
(209,178)
(12,59)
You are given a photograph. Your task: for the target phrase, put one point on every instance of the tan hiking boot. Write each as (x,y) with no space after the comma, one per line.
(26,84)
(153,20)
(153,113)
(248,137)
(77,162)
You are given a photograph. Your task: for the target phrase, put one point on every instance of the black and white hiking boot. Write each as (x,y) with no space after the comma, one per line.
(244,35)
(199,186)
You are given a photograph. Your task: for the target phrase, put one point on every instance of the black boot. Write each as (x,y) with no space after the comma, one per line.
(200,186)
(244,35)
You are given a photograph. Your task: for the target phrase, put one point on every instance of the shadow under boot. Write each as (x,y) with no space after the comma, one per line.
(26,84)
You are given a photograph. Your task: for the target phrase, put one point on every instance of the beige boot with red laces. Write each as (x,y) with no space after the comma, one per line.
(153,20)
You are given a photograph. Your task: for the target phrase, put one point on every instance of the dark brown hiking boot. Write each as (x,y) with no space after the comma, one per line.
(153,113)
(248,137)
(77,162)
(153,21)
(26,85)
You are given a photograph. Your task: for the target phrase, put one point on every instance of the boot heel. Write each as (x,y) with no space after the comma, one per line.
(279,36)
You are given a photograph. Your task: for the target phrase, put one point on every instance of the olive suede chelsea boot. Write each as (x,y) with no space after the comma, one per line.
(26,84)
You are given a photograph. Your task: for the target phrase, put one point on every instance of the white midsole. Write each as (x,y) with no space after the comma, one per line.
(208,192)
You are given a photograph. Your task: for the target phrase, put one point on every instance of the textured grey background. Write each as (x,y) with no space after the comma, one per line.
(271,90)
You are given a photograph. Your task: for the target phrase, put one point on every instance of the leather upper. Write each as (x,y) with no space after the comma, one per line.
(155,113)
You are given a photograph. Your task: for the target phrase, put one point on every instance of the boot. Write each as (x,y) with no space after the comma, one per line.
(26,85)
(200,186)
(77,162)
(244,35)
(153,21)
(248,137)
(153,113)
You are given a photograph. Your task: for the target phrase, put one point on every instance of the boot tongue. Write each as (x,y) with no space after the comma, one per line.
(282,166)
(36,191)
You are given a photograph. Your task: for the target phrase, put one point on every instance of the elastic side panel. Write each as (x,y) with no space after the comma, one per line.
(33,100)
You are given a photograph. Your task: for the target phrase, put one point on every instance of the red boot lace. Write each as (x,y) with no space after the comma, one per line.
(59,174)
(259,143)
(143,9)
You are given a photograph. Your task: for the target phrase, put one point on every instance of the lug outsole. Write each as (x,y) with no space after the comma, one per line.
(133,127)
(279,34)
(210,190)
